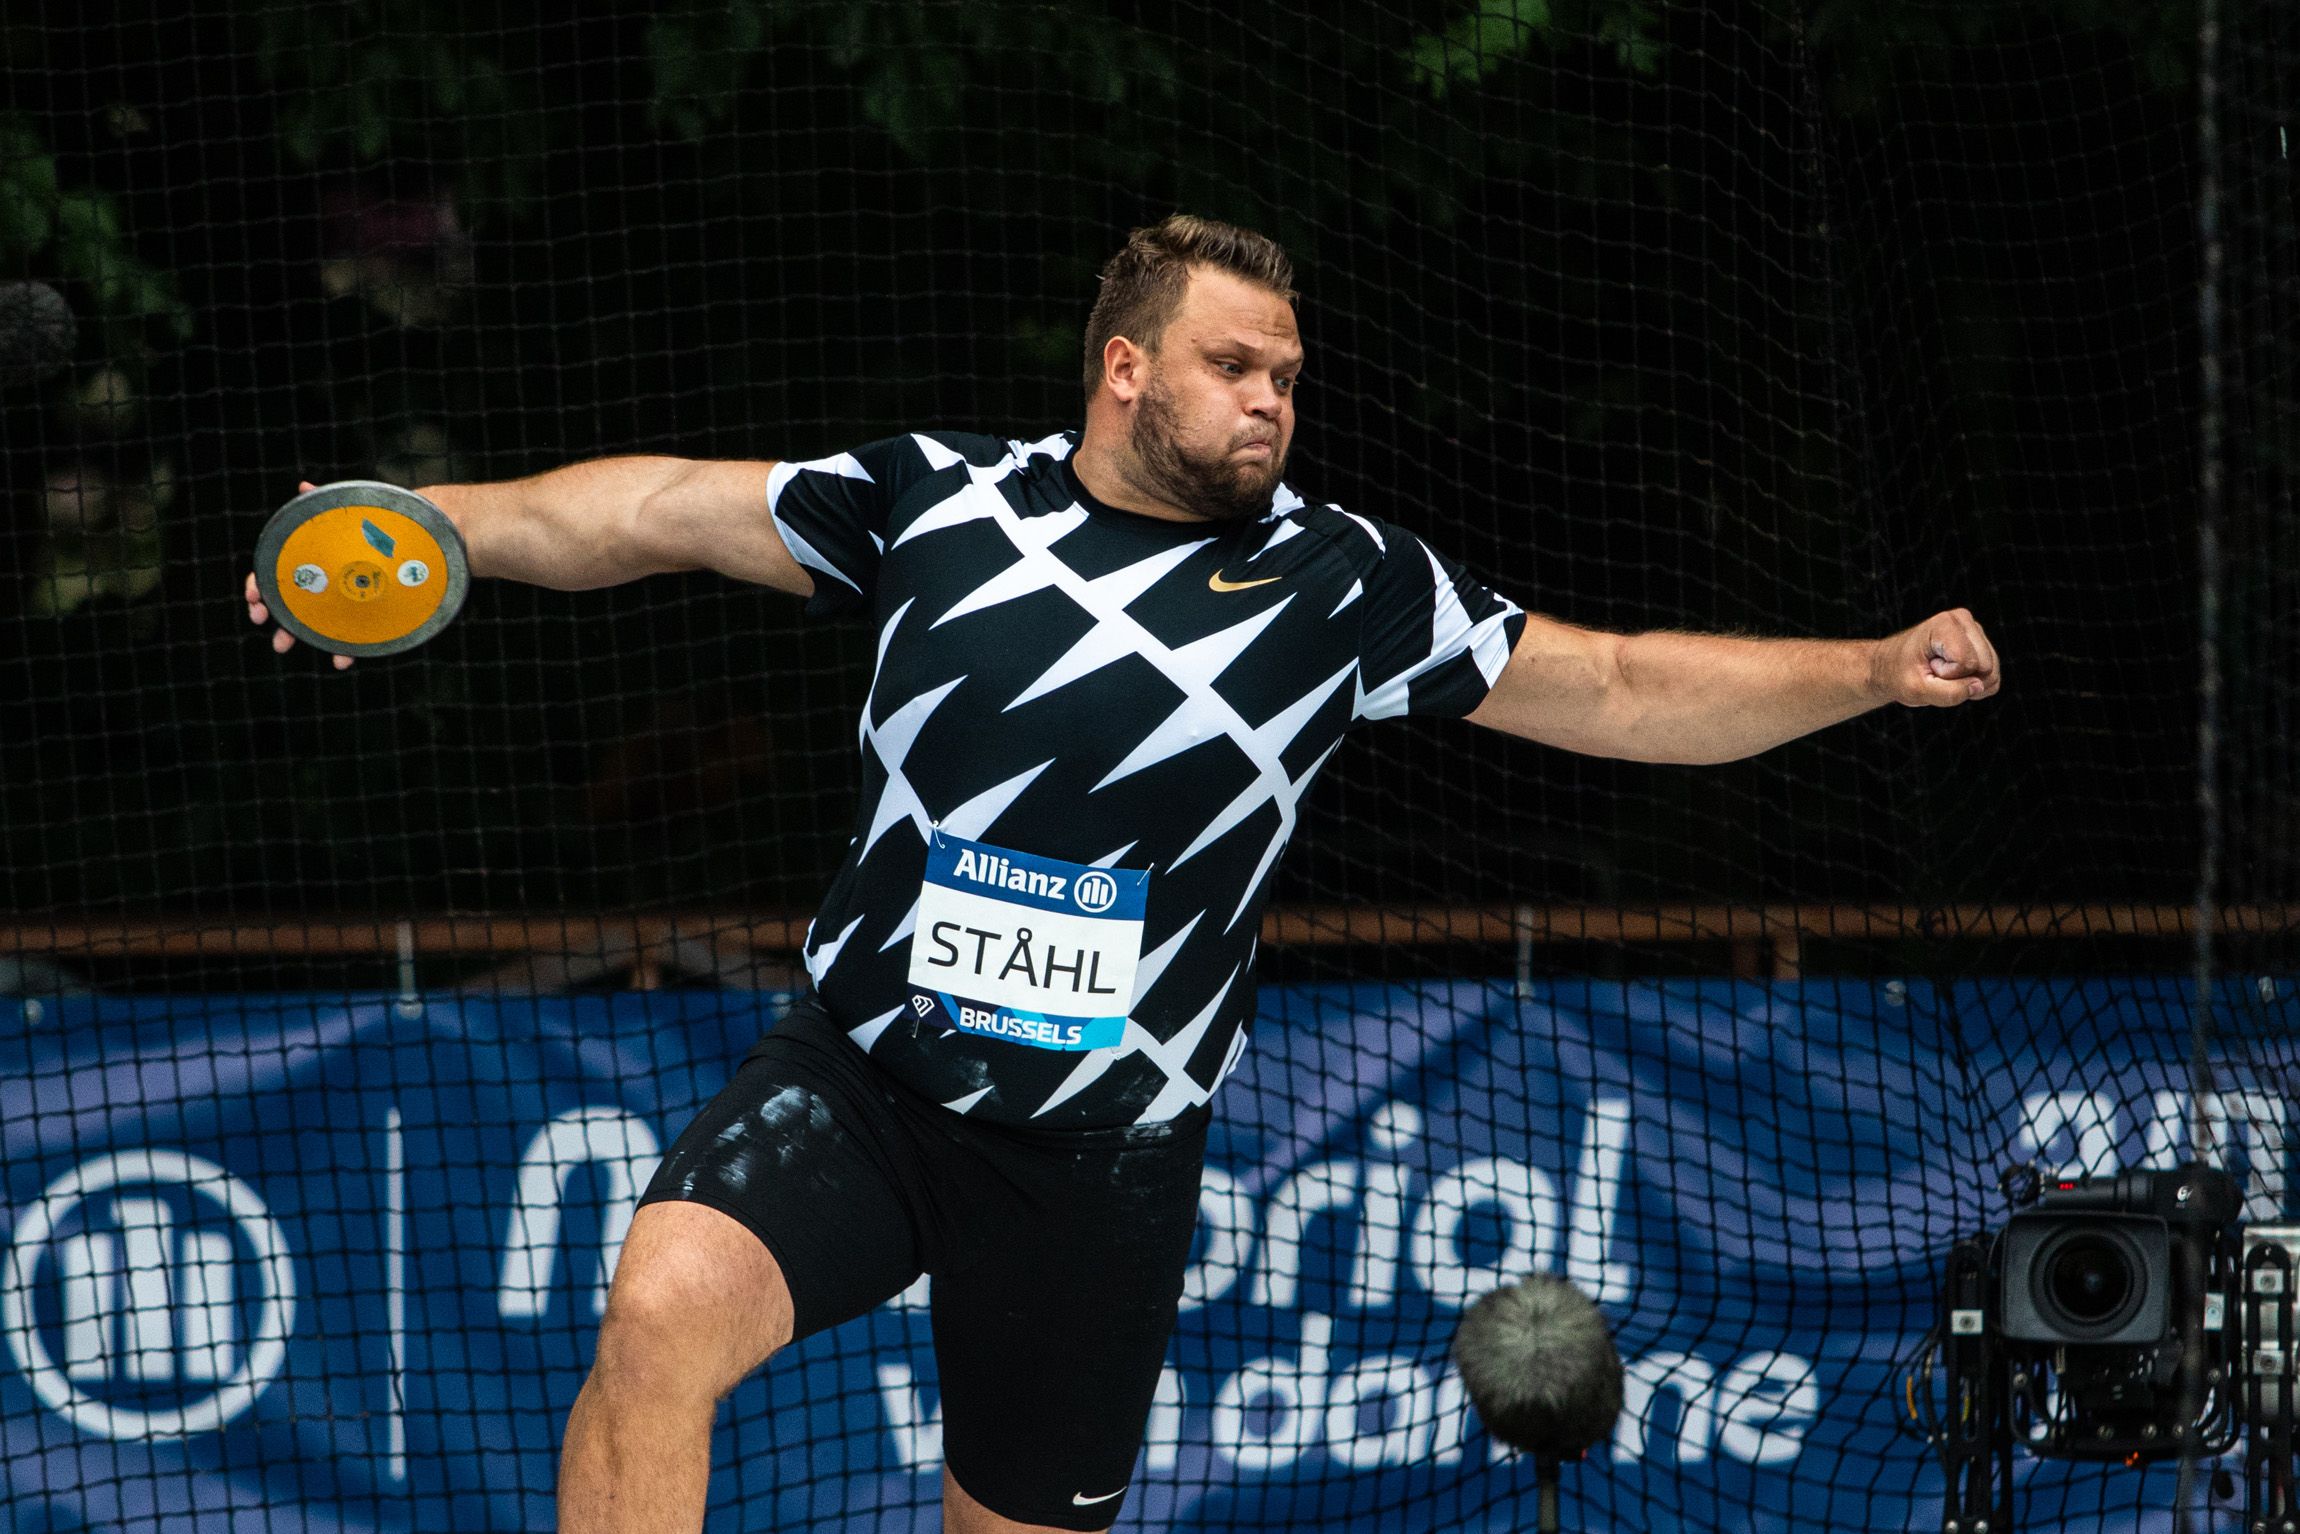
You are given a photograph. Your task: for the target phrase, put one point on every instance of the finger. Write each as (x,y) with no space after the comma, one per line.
(343,663)
(1942,692)
(1949,660)
(1990,668)
(1954,648)
(1982,670)
(305,484)
(257,612)
(282,641)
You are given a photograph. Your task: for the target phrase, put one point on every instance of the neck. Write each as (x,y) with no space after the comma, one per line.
(1106,467)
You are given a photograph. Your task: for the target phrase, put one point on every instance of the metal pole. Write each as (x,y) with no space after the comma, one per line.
(2210,573)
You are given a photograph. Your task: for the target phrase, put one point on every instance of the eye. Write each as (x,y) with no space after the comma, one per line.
(1286,385)
(1228,369)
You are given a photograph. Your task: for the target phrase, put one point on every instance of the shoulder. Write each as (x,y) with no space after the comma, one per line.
(951,459)
(939,449)
(907,455)
(1362,542)
(897,465)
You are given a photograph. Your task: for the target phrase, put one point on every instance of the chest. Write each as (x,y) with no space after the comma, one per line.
(1091,617)
(1100,686)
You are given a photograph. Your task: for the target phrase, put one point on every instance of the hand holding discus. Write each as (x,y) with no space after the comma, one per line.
(357,568)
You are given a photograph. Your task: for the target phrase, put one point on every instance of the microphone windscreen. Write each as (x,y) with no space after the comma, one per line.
(37,332)
(1540,1366)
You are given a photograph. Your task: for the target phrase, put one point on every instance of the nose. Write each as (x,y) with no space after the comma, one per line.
(1263,401)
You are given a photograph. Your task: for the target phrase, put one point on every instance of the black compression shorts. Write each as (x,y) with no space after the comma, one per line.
(1057,1255)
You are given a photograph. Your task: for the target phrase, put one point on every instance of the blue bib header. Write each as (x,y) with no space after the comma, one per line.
(1043,884)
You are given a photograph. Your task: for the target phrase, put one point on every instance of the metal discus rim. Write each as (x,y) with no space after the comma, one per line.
(334,496)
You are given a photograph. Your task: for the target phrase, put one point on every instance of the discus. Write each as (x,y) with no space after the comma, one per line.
(361,568)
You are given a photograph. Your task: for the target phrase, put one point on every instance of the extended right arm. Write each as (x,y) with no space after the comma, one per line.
(617,519)
(612,520)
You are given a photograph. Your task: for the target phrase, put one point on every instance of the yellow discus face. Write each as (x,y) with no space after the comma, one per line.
(362,574)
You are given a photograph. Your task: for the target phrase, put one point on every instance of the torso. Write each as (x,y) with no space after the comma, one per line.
(1089,685)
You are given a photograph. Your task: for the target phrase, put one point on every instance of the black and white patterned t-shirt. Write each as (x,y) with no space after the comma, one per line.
(1062,680)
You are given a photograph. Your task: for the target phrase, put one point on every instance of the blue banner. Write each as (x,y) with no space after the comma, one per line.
(323,1266)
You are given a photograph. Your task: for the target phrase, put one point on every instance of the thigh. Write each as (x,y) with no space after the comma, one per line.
(797,1150)
(1049,1339)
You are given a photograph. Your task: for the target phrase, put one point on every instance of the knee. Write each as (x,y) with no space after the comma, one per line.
(664,1340)
(697,1303)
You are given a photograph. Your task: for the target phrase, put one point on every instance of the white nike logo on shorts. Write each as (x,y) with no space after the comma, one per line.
(1080,1499)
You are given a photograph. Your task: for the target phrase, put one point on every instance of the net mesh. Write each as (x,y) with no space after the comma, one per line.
(1750,317)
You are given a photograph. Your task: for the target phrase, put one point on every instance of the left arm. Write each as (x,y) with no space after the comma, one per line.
(1703,698)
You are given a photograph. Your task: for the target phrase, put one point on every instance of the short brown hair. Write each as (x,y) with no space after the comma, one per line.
(1142,285)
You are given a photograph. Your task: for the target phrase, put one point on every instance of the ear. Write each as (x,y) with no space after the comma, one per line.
(1125,369)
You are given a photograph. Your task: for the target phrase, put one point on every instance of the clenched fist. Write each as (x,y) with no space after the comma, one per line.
(1942,662)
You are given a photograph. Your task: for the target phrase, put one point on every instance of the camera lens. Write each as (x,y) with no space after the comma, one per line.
(2089,1281)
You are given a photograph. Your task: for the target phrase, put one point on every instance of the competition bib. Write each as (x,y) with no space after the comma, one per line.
(1028,949)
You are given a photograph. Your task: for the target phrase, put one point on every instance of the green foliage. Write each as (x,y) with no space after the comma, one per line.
(79,234)
(1491,33)
(1041,346)
(117,565)
(912,64)
(364,81)
(1494,33)
(698,55)
(28,190)
(91,248)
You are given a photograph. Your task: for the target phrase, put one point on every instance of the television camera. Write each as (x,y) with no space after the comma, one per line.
(2125,1319)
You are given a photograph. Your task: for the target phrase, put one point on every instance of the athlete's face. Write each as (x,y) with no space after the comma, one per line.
(1216,413)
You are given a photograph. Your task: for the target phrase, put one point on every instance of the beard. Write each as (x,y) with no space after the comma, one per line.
(1213,486)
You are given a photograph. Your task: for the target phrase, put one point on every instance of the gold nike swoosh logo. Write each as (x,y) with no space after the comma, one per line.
(1217,583)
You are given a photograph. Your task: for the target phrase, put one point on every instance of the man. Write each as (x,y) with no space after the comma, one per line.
(1109,665)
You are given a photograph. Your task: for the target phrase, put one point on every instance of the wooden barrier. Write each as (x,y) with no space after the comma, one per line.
(547,952)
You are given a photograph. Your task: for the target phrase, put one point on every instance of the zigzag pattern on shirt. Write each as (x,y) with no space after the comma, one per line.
(1203,712)
(1369,624)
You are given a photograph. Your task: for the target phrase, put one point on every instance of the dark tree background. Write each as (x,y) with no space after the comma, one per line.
(1755,316)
